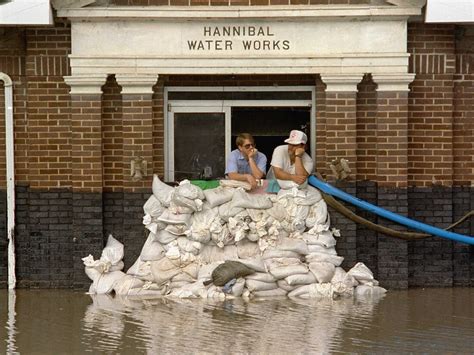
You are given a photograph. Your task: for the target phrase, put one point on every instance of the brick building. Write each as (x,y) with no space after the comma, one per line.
(170,82)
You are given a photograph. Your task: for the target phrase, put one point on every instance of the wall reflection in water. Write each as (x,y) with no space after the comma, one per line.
(264,326)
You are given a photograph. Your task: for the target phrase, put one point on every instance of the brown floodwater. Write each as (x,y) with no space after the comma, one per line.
(68,322)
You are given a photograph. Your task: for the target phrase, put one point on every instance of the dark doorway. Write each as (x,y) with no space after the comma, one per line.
(270,126)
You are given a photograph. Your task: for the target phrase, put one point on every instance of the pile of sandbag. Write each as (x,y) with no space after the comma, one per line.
(226,242)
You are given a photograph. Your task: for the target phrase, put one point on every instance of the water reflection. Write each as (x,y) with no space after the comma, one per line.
(67,322)
(172,325)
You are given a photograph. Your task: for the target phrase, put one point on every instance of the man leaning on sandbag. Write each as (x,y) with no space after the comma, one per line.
(246,163)
(290,163)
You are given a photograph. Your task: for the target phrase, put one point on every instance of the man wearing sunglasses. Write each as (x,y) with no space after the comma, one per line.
(291,162)
(246,163)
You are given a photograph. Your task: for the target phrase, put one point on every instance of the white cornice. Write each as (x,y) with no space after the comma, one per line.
(86,84)
(357,12)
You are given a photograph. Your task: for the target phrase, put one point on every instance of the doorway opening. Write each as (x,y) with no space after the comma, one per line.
(202,123)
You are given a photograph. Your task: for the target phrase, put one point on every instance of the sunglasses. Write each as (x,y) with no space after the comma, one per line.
(247,146)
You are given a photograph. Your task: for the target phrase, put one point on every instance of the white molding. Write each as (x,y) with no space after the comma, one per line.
(334,64)
(341,82)
(308,12)
(136,84)
(86,84)
(393,82)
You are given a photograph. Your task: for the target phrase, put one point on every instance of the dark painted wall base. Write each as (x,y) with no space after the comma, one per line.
(56,229)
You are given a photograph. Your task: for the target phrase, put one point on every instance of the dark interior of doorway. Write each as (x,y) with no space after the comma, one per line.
(270,126)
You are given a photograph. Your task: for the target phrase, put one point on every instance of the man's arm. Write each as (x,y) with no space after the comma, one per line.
(299,167)
(280,174)
(258,170)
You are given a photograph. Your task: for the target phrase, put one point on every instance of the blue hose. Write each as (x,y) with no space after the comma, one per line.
(331,190)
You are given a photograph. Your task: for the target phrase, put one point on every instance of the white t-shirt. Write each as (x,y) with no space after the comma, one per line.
(281,159)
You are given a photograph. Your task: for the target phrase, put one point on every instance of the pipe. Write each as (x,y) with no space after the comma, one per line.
(331,190)
(10,152)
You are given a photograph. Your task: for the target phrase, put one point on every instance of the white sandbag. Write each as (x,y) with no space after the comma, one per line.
(152,250)
(177,284)
(188,246)
(261,276)
(343,283)
(192,269)
(113,251)
(205,272)
(361,272)
(92,273)
(171,218)
(301,279)
(253,263)
(247,249)
(220,233)
(183,277)
(285,286)
(212,253)
(334,259)
(295,245)
(238,288)
(100,266)
(315,248)
(321,290)
(241,199)
(278,212)
(272,253)
(255,285)
(200,225)
(192,290)
(105,283)
(226,210)
(277,292)
(153,207)
(164,237)
(235,184)
(188,190)
(299,291)
(218,196)
(366,291)
(163,270)
(283,267)
(141,270)
(177,229)
(126,283)
(311,197)
(117,267)
(323,271)
(181,208)
(161,191)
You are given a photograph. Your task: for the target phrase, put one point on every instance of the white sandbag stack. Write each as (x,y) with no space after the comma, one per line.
(285,239)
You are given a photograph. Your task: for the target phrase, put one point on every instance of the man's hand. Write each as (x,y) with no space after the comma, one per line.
(252,153)
(299,152)
(251,180)
(299,179)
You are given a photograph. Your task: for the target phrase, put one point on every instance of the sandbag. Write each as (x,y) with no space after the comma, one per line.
(161,191)
(241,199)
(152,250)
(323,271)
(301,279)
(153,207)
(218,196)
(164,237)
(228,271)
(361,272)
(333,259)
(255,285)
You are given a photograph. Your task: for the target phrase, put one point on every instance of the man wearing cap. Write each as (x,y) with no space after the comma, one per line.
(291,162)
(246,163)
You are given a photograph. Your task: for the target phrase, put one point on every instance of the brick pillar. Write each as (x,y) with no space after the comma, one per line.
(392,172)
(86,125)
(137,117)
(341,134)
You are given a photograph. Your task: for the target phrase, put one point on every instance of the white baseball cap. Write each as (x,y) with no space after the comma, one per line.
(297,137)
